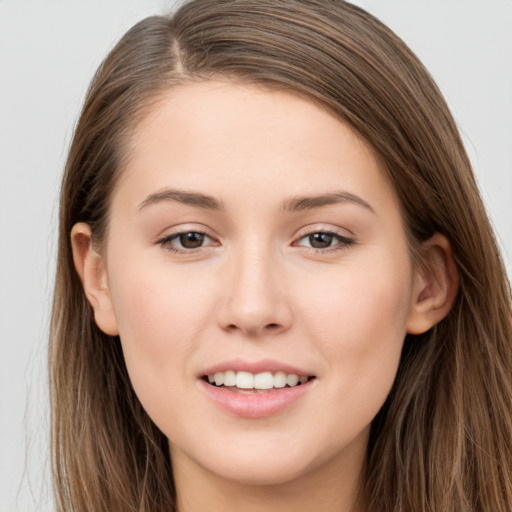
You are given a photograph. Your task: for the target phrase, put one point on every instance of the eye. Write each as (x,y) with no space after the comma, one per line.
(186,241)
(324,240)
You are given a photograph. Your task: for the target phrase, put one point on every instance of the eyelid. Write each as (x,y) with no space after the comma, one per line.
(324,228)
(184,227)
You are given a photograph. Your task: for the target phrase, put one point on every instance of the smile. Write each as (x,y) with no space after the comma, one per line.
(247,382)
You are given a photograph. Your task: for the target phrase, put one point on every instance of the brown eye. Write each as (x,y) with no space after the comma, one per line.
(186,241)
(320,240)
(191,240)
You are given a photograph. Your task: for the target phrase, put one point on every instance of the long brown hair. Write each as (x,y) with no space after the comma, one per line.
(443,439)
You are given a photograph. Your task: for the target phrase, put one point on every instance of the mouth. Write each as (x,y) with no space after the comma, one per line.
(255,383)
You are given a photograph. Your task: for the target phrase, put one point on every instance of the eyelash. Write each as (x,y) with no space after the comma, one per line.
(343,242)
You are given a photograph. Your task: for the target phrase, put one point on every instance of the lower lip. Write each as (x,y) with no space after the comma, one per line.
(257,405)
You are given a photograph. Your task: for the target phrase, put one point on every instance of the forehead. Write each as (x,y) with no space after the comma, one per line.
(220,136)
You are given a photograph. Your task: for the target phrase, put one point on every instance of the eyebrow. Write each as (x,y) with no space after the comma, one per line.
(300,203)
(181,196)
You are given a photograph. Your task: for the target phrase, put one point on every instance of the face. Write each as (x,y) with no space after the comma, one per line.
(254,241)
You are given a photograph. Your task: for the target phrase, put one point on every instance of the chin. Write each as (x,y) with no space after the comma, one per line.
(261,473)
(269,464)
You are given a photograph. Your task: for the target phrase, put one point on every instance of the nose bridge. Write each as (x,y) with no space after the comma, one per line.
(255,301)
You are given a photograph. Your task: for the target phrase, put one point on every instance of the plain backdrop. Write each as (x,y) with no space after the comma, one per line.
(48,53)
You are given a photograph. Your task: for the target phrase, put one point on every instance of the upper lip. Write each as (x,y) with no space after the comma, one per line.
(260,366)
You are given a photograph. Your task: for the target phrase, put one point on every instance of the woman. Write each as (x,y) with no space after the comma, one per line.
(277,286)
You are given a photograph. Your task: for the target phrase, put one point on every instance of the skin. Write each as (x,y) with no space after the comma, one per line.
(257,289)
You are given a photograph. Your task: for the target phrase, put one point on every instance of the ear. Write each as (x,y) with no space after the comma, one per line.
(92,271)
(436,285)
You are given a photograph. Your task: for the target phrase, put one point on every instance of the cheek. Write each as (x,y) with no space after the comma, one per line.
(368,313)
(360,304)
(157,302)
(359,324)
(161,316)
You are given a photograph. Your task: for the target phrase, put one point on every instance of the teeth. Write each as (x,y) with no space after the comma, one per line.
(229,378)
(264,380)
(292,379)
(244,380)
(279,380)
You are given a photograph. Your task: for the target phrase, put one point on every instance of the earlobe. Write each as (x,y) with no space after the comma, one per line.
(435,287)
(91,268)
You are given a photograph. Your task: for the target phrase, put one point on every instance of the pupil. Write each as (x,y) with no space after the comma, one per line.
(191,240)
(320,240)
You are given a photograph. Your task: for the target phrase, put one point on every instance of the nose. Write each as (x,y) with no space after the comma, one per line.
(254,302)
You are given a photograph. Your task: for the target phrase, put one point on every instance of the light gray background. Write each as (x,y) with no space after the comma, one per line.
(48,53)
